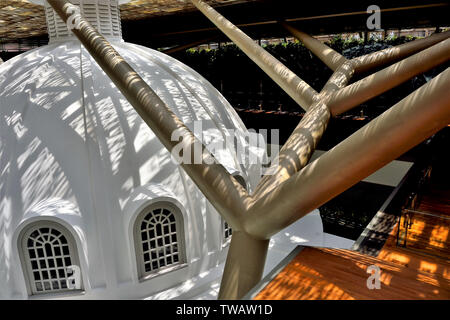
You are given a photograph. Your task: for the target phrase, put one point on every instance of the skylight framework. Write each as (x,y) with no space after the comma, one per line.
(22,18)
(297,187)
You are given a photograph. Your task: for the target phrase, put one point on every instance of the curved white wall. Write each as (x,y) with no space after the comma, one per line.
(73,149)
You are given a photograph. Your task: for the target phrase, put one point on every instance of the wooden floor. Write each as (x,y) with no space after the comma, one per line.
(322,274)
(332,274)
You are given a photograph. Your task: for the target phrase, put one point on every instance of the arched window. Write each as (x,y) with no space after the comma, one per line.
(48,250)
(159,238)
(227,231)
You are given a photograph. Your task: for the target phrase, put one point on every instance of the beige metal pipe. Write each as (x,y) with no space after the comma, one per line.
(380,58)
(418,116)
(244,266)
(297,150)
(300,145)
(369,61)
(221,189)
(295,87)
(241,271)
(377,83)
(326,54)
(338,80)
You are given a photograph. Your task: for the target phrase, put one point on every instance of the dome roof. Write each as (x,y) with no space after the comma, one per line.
(72,149)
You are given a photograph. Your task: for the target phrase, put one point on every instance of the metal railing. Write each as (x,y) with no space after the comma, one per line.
(431,239)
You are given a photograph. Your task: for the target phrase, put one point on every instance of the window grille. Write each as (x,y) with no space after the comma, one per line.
(160,234)
(48,251)
(227,231)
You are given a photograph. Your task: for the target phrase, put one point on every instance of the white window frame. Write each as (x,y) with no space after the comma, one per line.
(50,267)
(138,242)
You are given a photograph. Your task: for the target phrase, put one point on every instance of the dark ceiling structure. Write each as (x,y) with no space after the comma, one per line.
(259,19)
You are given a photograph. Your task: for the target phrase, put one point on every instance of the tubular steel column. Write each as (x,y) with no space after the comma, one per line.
(409,122)
(377,59)
(221,189)
(244,267)
(242,271)
(295,87)
(371,60)
(300,145)
(298,148)
(328,56)
(382,81)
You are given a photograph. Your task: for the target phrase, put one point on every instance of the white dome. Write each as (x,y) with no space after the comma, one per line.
(73,151)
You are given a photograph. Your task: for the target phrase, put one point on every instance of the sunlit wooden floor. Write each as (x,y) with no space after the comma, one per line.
(316,274)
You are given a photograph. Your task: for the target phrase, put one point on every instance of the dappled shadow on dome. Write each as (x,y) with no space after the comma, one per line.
(35,129)
(46,88)
(68,133)
(197,86)
(125,136)
(30,169)
(32,148)
(185,92)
